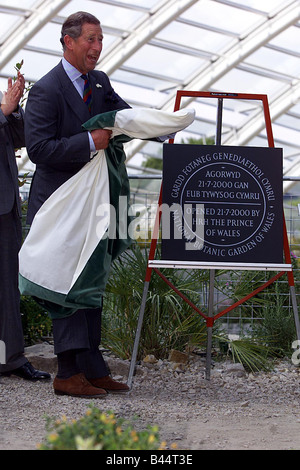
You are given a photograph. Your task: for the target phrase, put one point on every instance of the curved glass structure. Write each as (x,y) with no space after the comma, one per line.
(154,48)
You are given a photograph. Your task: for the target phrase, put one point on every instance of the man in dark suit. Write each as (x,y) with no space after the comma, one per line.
(12,359)
(59,147)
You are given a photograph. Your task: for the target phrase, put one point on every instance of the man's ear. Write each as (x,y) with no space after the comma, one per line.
(68,42)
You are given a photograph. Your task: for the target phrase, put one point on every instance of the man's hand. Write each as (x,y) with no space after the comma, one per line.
(13,95)
(101,138)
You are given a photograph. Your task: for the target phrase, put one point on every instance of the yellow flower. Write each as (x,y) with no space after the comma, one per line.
(163,445)
(151,439)
(118,430)
(134,436)
(106,419)
(52,437)
(103,418)
(173,445)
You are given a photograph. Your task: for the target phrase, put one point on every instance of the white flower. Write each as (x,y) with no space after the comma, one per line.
(86,444)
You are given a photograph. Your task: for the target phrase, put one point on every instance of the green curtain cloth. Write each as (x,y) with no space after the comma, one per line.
(63,264)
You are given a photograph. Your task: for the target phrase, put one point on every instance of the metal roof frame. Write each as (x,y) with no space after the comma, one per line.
(205,78)
(28,28)
(164,13)
(145,31)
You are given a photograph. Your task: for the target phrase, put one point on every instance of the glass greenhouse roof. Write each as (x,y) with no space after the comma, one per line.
(154,48)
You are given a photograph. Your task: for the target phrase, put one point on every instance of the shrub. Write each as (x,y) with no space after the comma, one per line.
(98,430)
(36,322)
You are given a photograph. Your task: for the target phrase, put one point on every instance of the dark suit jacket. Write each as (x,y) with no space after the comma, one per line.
(55,140)
(11,138)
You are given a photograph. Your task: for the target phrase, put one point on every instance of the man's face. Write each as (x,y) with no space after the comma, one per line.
(84,52)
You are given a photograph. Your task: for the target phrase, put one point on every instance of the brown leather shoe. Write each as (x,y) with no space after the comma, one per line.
(77,386)
(110,385)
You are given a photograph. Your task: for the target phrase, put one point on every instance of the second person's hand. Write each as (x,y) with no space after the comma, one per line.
(13,95)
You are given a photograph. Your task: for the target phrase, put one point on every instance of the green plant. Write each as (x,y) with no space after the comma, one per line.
(18,67)
(22,180)
(277,326)
(35,321)
(270,312)
(273,330)
(98,430)
(238,284)
(164,326)
(254,356)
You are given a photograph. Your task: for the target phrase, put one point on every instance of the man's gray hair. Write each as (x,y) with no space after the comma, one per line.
(73,25)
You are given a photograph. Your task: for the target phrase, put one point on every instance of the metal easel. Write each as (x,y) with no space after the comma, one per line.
(156,264)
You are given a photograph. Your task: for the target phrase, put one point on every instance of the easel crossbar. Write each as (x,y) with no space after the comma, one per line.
(217,265)
(210,320)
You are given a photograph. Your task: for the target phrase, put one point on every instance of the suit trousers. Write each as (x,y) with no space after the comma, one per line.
(82,332)
(11,331)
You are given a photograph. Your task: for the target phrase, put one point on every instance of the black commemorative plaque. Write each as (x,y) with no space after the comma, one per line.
(222,204)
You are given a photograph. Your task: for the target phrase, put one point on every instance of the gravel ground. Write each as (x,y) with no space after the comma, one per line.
(235,410)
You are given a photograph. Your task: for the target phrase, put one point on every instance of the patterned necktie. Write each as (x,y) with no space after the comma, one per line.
(87,92)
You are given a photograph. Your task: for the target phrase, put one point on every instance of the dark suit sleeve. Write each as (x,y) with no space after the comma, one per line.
(53,137)
(16,125)
(11,137)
